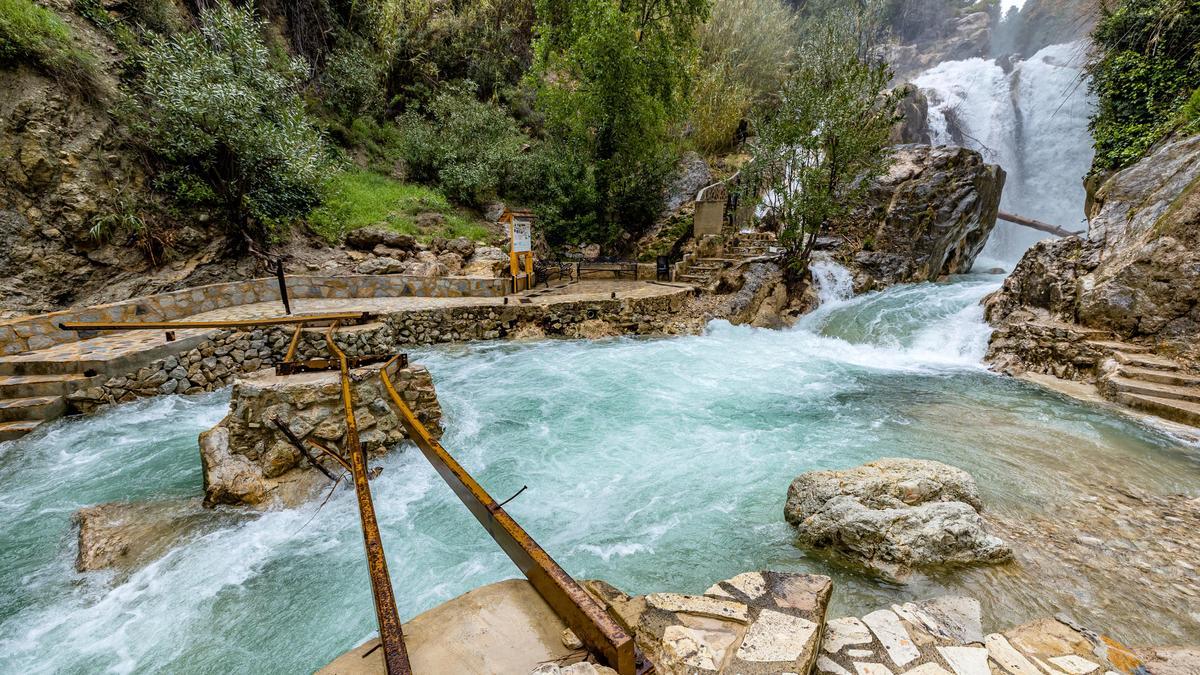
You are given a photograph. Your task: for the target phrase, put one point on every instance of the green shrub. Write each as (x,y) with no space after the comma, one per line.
(358,198)
(33,34)
(228,125)
(352,81)
(463,145)
(561,184)
(720,102)
(1144,77)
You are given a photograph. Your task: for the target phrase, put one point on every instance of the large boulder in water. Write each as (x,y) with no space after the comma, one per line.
(894,515)
(927,217)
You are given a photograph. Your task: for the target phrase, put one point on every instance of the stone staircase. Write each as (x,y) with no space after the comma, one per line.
(34,385)
(1150,383)
(703,271)
(752,244)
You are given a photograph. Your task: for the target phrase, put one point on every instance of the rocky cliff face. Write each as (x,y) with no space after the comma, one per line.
(66,164)
(1136,275)
(929,216)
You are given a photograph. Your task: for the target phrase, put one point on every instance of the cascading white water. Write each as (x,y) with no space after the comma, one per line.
(833,282)
(1032,121)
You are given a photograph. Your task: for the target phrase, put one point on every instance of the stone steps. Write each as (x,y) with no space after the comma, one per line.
(1112,346)
(1161,376)
(111,354)
(1175,410)
(10,431)
(32,408)
(1145,361)
(1154,389)
(23,386)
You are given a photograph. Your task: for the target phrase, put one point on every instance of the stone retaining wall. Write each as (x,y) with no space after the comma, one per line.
(41,331)
(214,363)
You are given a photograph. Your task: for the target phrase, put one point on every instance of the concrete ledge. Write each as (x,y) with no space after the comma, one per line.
(498,629)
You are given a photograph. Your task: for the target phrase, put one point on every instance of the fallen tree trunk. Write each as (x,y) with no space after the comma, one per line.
(1036,224)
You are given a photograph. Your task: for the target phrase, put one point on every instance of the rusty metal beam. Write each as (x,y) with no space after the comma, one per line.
(307,319)
(295,342)
(599,632)
(391,635)
(320,365)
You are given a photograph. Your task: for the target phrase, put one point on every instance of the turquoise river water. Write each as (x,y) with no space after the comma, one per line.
(656,464)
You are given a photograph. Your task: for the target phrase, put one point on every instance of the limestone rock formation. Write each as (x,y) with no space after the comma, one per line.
(928,216)
(246,459)
(894,515)
(1136,275)
(754,623)
(913,113)
(124,535)
(367,238)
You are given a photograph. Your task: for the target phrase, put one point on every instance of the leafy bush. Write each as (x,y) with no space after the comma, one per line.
(463,145)
(358,198)
(561,183)
(1144,78)
(352,80)
(30,33)
(227,124)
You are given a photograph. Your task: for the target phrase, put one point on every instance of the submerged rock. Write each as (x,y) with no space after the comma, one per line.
(125,535)
(246,458)
(894,515)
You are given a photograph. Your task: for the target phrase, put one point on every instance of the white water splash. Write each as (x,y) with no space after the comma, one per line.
(1032,121)
(834,283)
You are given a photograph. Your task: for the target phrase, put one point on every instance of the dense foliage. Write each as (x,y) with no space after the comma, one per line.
(1146,78)
(612,81)
(816,152)
(36,35)
(227,122)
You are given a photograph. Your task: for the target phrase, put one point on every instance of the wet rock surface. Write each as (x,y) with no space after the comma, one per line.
(1140,548)
(246,459)
(126,535)
(894,515)
(928,216)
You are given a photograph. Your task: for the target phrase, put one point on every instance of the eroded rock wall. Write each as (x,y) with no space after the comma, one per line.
(927,217)
(1136,276)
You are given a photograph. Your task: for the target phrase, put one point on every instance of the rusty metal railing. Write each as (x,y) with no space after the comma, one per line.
(599,632)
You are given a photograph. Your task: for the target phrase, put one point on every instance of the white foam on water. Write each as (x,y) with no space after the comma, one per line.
(658,465)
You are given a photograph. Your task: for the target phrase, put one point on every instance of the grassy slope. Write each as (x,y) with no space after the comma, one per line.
(358,197)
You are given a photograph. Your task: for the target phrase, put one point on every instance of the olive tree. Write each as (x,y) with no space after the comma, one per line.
(816,151)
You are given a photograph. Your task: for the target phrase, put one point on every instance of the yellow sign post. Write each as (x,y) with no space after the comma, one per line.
(520,238)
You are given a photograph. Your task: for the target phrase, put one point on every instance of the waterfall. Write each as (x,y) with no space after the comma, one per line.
(1030,117)
(833,282)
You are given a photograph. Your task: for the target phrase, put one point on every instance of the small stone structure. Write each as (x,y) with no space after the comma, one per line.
(756,623)
(894,515)
(246,458)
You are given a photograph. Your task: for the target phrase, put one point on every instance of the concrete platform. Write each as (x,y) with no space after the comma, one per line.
(498,629)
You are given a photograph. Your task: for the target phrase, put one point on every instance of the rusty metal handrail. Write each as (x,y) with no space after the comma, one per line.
(391,634)
(227,323)
(598,631)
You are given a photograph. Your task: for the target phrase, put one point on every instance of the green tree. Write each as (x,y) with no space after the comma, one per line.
(816,152)
(612,80)
(227,123)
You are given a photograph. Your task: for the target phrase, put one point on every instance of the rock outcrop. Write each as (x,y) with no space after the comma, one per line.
(125,535)
(246,459)
(1135,277)
(894,515)
(928,216)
